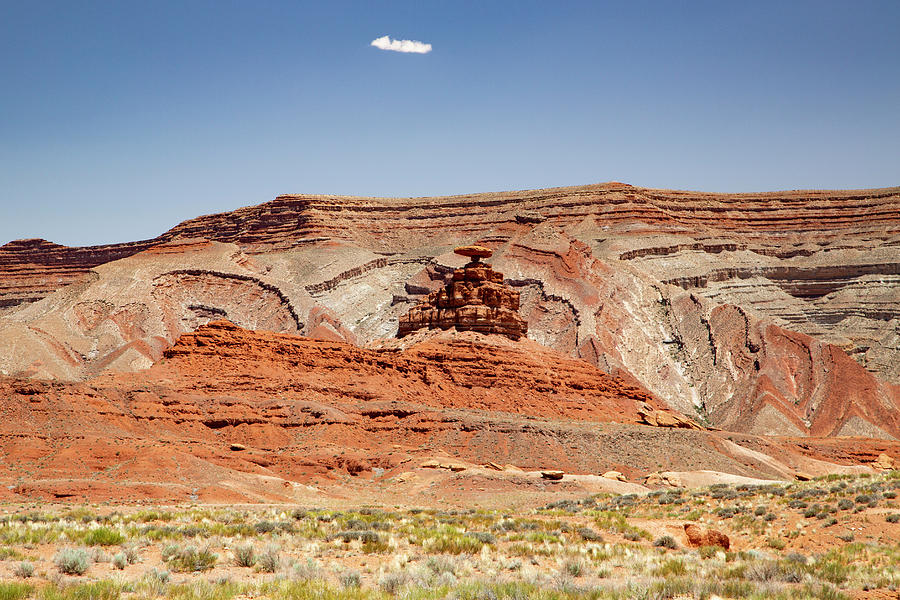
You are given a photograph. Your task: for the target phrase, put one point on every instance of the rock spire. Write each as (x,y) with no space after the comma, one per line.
(476,299)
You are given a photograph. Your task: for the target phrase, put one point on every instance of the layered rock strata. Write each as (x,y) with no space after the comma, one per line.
(232,415)
(771,313)
(475,299)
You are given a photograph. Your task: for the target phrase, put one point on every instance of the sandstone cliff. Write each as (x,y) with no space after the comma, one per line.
(741,309)
(231,415)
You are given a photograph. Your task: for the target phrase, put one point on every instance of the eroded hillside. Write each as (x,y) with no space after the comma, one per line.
(768,313)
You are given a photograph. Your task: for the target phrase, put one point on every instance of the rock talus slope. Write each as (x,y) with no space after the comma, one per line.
(771,313)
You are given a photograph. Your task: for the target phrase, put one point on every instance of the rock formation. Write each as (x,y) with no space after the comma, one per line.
(475,299)
(232,415)
(774,313)
(698,537)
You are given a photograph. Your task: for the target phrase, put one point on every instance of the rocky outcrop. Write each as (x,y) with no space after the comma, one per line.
(772,313)
(231,415)
(698,537)
(475,299)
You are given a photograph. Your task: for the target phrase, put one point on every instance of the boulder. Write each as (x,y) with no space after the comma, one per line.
(552,475)
(614,475)
(698,537)
(665,418)
(884,462)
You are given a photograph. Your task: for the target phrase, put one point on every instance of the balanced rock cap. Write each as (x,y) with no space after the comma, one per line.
(474,251)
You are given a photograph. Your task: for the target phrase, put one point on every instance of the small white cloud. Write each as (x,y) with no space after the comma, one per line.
(386,43)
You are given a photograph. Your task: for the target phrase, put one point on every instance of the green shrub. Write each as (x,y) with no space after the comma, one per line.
(103,536)
(893,518)
(15,591)
(245,556)
(666,541)
(72,561)
(455,544)
(392,583)
(189,560)
(131,552)
(349,579)
(833,571)
(269,560)
(24,569)
(589,535)
(119,561)
(308,571)
(777,543)
(671,568)
(575,568)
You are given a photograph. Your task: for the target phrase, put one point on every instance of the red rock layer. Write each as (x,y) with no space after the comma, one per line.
(314,412)
(459,373)
(304,408)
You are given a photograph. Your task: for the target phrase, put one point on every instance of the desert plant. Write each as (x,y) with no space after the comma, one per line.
(130,550)
(103,536)
(893,518)
(72,561)
(666,541)
(120,560)
(441,564)
(269,560)
(392,583)
(306,571)
(575,568)
(671,568)
(155,582)
(189,559)
(15,591)
(777,543)
(244,555)
(589,535)
(349,579)
(24,569)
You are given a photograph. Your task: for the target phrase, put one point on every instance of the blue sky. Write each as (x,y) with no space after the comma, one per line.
(120,119)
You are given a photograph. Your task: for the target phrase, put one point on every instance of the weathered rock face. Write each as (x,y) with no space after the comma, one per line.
(232,415)
(475,299)
(770,313)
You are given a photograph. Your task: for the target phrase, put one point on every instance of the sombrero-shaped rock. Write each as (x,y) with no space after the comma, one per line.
(474,251)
